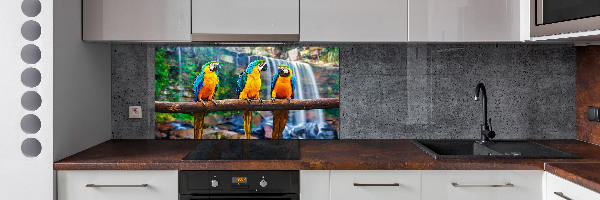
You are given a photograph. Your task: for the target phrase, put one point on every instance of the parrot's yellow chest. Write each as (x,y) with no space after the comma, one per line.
(283,88)
(208,86)
(253,84)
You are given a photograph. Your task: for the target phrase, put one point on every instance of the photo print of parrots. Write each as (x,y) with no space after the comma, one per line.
(248,87)
(205,87)
(283,87)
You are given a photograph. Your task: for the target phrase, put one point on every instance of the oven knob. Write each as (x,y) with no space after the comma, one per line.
(214,183)
(263,183)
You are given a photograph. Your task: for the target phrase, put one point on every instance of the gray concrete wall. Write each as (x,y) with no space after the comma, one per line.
(393,91)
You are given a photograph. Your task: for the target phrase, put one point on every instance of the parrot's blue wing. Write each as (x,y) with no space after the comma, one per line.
(241,83)
(293,86)
(198,85)
(274,79)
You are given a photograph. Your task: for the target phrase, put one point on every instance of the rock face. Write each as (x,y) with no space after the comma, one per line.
(233,128)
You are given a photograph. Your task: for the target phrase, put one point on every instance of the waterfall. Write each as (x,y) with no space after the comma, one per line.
(306,87)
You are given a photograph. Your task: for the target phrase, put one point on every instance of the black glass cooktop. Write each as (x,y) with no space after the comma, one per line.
(245,150)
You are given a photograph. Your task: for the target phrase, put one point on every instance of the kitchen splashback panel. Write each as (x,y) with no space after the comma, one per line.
(393,91)
(224,79)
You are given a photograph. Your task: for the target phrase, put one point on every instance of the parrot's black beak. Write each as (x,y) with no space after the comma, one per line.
(264,67)
(280,71)
(218,67)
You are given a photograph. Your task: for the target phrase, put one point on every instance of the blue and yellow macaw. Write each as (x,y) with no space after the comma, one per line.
(205,87)
(248,87)
(283,87)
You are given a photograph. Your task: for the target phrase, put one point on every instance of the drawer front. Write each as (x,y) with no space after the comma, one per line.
(482,184)
(379,185)
(566,190)
(314,185)
(113,185)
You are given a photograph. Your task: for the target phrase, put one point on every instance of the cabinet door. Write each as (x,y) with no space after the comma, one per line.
(117,185)
(379,185)
(482,184)
(214,19)
(561,189)
(136,20)
(314,185)
(468,20)
(354,20)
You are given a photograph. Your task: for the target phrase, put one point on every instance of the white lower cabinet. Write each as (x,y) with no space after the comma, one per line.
(482,184)
(375,185)
(561,189)
(117,185)
(314,185)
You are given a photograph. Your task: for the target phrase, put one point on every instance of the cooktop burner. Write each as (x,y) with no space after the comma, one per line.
(245,150)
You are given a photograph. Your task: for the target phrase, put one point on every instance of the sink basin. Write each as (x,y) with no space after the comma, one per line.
(494,149)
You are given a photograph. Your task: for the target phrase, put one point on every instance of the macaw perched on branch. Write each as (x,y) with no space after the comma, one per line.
(205,87)
(248,87)
(283,87)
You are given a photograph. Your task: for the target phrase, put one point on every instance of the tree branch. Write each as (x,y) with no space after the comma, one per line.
(240,104)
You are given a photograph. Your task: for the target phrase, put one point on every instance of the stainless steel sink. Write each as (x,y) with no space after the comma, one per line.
(492,149)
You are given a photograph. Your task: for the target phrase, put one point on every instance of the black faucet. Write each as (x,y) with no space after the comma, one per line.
(486,129)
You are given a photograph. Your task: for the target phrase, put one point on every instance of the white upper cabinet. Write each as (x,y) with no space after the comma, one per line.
(136,20)
(468,20)
(244,20)
(354,20)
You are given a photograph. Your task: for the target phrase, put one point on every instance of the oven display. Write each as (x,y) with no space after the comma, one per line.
(239,180)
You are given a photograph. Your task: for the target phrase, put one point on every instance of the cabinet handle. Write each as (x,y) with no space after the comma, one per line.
(505,185)
(94,185)
(560,194)
(362,184)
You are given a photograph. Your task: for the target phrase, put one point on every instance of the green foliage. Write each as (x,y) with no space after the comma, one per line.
(331,112)
(169,117)
(331,54)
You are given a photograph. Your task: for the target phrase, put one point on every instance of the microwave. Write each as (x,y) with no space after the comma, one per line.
(564,17)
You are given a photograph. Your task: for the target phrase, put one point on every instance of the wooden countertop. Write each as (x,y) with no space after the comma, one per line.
(314,155)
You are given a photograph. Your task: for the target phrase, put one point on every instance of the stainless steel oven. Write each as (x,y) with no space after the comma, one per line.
(237,185)
(554,17)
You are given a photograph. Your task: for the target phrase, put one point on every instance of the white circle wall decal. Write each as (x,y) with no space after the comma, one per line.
(31,30)
(31,54)
(31,77)
(31,147)
(31,100)
(31,124)
(31,8)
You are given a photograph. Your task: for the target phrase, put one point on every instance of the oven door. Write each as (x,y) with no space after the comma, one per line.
(239,197)
(553,17)
(555,11)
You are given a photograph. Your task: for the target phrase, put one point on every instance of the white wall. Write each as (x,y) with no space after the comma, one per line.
(82,86)
(75,93)
(24,177)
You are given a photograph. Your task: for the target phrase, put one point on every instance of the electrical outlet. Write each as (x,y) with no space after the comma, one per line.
(135,112)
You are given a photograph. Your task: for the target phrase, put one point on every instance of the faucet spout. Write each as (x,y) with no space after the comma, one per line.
(486,132)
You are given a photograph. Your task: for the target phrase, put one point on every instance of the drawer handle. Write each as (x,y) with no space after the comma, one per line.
(560,194)
(94,185)
(505,185)
(377,185)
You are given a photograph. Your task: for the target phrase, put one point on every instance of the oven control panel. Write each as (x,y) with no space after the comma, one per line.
(227,182)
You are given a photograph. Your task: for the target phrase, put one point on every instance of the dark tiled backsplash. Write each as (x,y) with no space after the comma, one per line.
(393,91)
